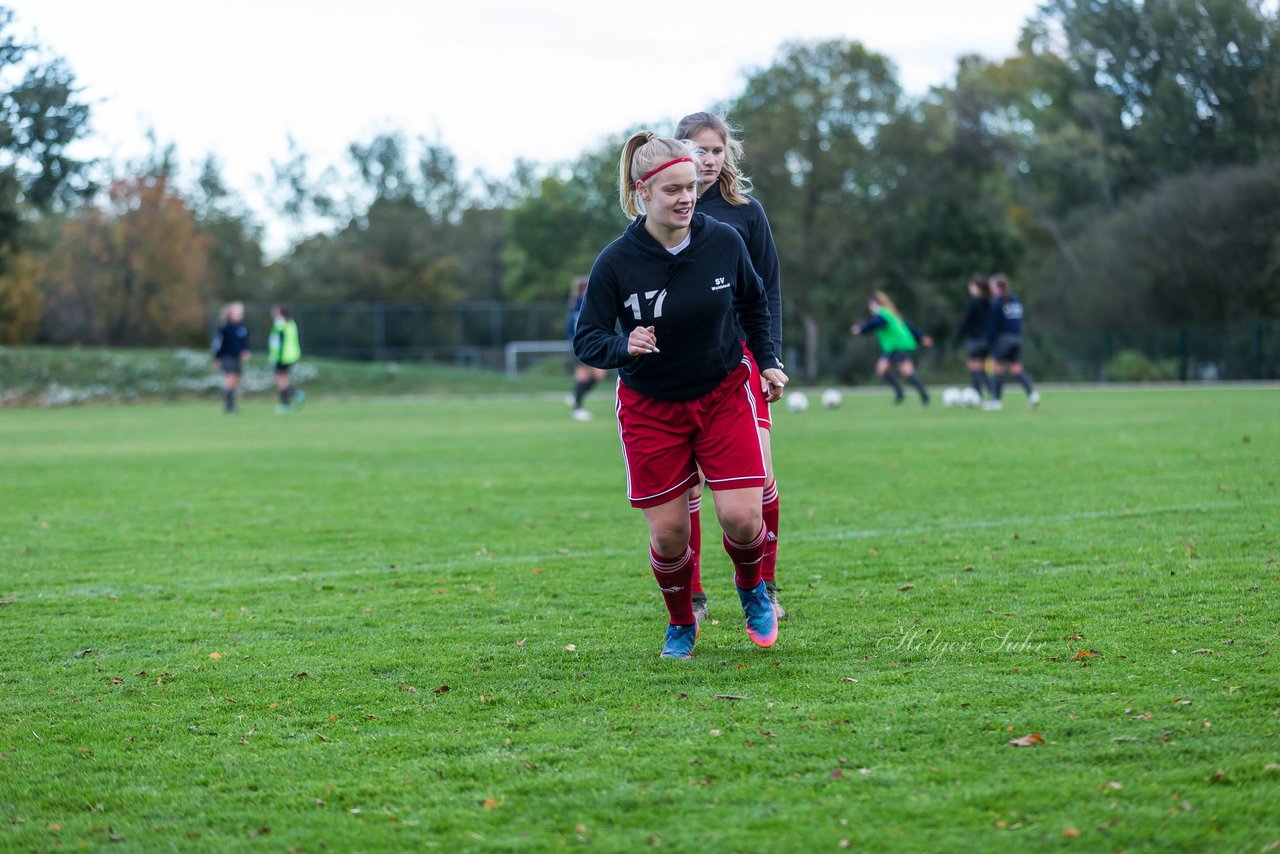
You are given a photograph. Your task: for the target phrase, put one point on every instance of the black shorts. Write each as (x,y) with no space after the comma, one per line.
(976,348)
(281,368)
(1008,348)
(229,364)
(897,357)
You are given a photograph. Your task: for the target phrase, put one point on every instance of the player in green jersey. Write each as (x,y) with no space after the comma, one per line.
(898,341)
(284,350)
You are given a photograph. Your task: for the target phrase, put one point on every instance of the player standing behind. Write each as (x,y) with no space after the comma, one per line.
(723,195)
(898,343)
(679,284)
(973,335)
(1004,338)
(584,376)
(231,351)
(284,350)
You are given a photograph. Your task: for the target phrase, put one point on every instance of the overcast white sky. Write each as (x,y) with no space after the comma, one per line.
(493,80)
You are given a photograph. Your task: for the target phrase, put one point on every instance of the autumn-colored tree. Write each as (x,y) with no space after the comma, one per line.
(133,272)
(19,296)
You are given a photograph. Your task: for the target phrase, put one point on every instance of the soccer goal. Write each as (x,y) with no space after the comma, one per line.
(522,354)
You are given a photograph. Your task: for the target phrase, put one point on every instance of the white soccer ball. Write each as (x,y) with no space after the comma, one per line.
(952,397)
(797,401)
(970,397)
(831,398)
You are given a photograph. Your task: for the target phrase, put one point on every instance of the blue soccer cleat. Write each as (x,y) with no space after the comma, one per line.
(762,620)
(679,642)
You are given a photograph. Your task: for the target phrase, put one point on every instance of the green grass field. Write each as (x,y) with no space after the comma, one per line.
(430,624)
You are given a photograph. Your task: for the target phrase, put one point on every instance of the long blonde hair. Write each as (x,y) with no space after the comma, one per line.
(641,154)
(734,185)
(883,299)
(229,309)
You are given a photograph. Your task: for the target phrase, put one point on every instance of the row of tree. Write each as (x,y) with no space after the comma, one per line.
(1122,166)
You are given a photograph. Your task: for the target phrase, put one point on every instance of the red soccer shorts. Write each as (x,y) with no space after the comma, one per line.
(665,441)
(757,391)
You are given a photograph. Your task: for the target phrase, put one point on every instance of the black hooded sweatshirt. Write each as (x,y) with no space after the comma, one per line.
(694,300)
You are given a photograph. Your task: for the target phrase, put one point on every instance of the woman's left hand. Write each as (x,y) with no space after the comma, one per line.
(774,382)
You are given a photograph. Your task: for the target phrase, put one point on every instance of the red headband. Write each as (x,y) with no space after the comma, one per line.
(646,176)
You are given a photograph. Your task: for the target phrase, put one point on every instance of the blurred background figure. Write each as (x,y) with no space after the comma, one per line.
(283,351)
(898,343)
(972,334)
(231,351)
(585,377)
(1004,338)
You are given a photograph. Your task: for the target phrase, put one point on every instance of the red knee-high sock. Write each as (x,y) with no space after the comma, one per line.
(769,507)
(673,580)
(746,559)
(695,543)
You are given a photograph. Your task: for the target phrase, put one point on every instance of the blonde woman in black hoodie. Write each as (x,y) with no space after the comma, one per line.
(679,285)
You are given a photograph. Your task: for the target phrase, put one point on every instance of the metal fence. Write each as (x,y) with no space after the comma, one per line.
(1203,352)
(471,334)
(478,334)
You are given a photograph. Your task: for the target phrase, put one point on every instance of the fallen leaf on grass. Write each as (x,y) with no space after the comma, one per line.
(1203,651)
(489,803)
(521,641)
(850,679)
(1029,740)
(443,689)
(215,655)
(570,647)
(321,736)
(1071,833)
(8,601)
(907,587)
(302,675)
(730,697)
(1085,654)
(82,653)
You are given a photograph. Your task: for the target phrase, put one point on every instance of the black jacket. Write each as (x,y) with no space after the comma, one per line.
(694,300)
(230,341)
(750,221)
(1005,318)
(974,324)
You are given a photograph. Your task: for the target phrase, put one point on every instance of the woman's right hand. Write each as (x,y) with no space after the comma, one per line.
(642,341)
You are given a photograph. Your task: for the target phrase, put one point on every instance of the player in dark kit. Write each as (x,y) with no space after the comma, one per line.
(1004,338)
(231,351)
(972,334)
(585,377)
(724,195)
(679,284)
